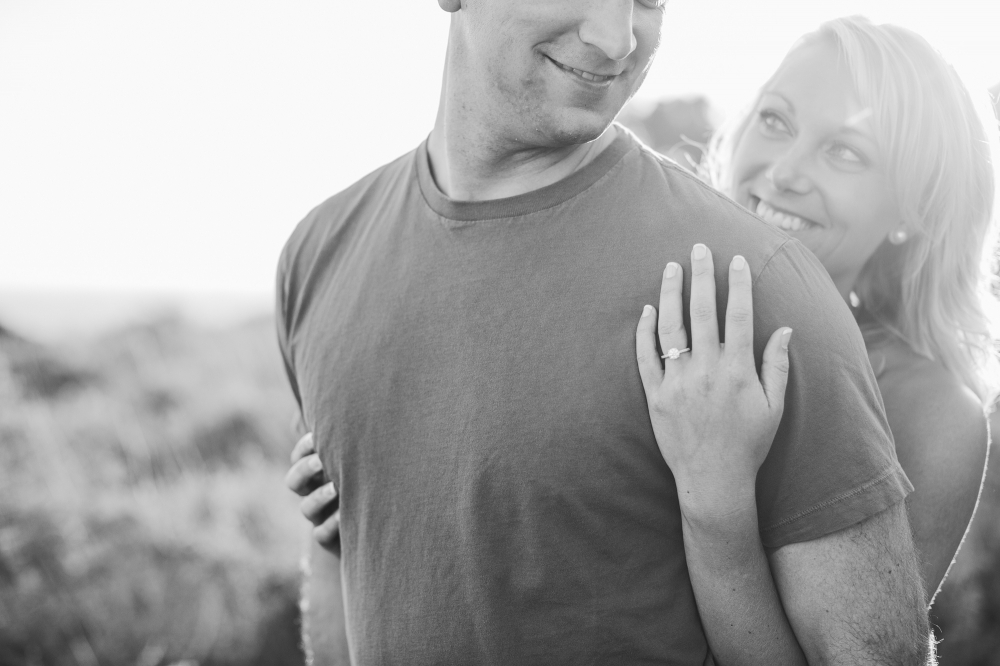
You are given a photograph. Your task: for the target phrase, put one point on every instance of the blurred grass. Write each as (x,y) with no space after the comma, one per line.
(143,514)
(144,519)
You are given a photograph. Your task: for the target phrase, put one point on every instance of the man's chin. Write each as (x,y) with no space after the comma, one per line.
(575,126)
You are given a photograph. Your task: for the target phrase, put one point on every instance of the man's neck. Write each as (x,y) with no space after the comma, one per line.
(470,162)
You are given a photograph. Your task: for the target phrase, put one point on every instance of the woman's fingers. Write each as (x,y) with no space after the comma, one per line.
(739,310)
(303,447)
(704,322)
(774,369)
(327,533)
(670,326)
(319,504)
(650,368)
(305,475)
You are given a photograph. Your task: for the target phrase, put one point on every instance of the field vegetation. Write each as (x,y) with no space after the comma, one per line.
(143,516)
(144,520)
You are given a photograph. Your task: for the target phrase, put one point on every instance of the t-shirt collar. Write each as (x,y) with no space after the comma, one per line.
(522,204)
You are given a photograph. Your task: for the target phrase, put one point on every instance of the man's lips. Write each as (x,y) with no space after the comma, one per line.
(583,74)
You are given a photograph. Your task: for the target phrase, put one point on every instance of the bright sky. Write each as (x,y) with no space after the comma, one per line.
(173,145)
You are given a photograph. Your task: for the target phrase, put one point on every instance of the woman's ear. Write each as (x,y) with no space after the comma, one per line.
(450,6)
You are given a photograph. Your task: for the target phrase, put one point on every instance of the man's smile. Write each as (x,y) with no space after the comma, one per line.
(590,77)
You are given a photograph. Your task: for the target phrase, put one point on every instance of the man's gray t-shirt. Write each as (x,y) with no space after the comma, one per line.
(468,370)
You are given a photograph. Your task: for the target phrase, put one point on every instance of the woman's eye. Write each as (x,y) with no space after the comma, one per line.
(773,123)
(846,154)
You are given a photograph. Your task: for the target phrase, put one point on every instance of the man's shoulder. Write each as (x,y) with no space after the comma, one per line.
(681,193)
(684,181)
(350,204)
(318,242)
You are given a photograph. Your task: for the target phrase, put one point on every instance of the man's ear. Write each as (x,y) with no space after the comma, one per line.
(450,6)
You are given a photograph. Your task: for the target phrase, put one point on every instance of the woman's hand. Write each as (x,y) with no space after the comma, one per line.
(320,506)
(714,420)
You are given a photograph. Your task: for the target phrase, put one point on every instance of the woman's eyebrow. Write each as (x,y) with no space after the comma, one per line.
(858,126)
(785,100)
(859,117)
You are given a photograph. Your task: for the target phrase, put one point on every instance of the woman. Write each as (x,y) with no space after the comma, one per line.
(867,148)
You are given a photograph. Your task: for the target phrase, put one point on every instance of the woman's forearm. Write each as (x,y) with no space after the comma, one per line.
(737,599)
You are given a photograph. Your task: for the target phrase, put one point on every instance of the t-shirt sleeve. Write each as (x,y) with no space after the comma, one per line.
(833,463)
(282,318)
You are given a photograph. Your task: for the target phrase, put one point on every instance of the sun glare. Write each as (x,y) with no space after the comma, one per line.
(173,146)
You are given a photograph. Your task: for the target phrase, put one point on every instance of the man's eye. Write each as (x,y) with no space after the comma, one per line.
(773,123)
(653,4)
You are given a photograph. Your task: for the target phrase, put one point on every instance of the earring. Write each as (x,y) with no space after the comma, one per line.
(898,237)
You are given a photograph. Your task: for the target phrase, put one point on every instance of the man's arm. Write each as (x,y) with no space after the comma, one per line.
(855,596)
(714,421)
(852,597)
(324,627)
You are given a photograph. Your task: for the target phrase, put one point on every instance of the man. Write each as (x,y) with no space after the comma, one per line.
(458,327)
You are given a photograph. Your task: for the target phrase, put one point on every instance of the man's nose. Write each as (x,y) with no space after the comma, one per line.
(608,26)
(789,173)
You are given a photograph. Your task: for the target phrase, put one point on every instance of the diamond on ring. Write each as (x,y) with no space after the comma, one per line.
(674,353)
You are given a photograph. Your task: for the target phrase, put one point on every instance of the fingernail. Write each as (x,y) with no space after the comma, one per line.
(646,310)
(738,263)
(699,251)
(785,337)
(671,269)
(315,464)
(330,490)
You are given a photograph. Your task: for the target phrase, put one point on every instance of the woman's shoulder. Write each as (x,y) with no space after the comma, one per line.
(914,375)
(932,414)
(927,391)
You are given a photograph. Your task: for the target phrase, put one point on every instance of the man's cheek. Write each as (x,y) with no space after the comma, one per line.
(648,31)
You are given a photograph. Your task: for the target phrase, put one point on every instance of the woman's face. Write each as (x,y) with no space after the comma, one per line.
(809,164)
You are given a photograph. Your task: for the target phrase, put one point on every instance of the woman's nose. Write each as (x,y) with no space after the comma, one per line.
(787,174)
(608,26)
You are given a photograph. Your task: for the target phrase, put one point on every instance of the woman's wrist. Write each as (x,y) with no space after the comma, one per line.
(718,507)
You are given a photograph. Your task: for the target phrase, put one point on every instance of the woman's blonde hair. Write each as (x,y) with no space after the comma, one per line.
(934,291)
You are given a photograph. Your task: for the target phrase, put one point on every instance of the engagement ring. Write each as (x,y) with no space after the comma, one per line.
(674,353)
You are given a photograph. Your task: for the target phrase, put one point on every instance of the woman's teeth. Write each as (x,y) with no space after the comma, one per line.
(781,220)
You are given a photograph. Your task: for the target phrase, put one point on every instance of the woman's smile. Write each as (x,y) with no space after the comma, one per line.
(783,219)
